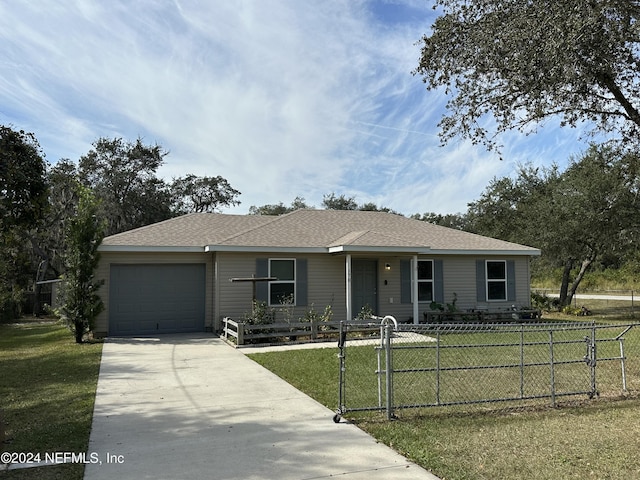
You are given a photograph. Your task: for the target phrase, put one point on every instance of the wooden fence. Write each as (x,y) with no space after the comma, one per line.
(242,333)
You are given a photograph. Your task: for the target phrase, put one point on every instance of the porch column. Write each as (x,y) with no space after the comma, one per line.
(414,289)
(348,285)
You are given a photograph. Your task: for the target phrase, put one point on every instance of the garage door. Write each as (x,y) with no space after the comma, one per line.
(151,299)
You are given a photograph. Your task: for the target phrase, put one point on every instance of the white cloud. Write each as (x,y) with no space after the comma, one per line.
(281,98)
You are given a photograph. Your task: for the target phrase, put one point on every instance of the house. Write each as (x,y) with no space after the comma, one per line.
(175,275)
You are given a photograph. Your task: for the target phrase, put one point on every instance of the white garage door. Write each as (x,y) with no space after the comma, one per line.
(150,299)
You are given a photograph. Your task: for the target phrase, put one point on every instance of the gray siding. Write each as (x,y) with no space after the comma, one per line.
(460,278)
(326,284)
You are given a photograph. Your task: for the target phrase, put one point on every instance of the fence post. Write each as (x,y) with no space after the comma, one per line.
(522,361)
(225,320)
(379,350)
(593,360)
(624,373)
(341,385)
(240,333)
(438,368)
(552,368)
(389,371)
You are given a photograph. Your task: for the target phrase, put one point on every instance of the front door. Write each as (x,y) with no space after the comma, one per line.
(364,285)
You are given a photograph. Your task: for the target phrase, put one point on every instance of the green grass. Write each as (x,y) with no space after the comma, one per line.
(602,310)
(580,438)
(47,387)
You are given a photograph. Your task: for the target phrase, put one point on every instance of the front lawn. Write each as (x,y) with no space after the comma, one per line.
(47,386)
(579,439)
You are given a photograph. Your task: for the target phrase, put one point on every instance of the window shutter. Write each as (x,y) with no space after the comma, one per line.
(511,280)
(405,281)
(438,281)
(481,281)
(262,288)
(301,282)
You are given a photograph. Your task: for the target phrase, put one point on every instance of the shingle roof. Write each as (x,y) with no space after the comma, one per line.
(322,230)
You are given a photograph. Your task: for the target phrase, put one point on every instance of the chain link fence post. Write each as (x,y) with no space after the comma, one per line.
(593,361)
(388,332)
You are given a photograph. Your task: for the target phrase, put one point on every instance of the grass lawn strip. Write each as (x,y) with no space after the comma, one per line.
(48,387)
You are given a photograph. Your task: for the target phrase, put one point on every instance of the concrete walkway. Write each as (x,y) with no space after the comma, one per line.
(190,406)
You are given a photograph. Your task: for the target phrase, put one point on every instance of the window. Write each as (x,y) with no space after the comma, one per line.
(425,281)
(282,290)
(496,280)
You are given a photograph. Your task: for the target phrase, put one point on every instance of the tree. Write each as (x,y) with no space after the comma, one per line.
(123,177)
(522,62)
(279,209)
(23,204)
(449,220)
(575,217)
(82,304)
(23,188)
(372,207)
(202,194)
(599,194)
(332,202)
(63,200)
(329,202)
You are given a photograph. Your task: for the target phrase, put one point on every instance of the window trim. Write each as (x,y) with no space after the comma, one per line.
(504,281)
(282,282)
(431,281)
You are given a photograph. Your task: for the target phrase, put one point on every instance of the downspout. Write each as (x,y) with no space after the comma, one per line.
(414,289)
(348,287)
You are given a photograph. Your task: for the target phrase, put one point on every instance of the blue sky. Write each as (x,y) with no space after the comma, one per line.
(282,98)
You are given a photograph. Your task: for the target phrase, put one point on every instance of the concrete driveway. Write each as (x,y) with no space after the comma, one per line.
(190,406)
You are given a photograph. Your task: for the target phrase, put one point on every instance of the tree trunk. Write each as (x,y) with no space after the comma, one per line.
(586,263)
(79,331)
(564,286)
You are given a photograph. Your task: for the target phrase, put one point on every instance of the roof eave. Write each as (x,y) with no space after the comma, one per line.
(480,252)
(378,249)
(332,250)
(149,249)
(263,249)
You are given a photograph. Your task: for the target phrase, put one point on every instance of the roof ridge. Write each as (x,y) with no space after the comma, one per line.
(154,225)
(255,227)
(347,237)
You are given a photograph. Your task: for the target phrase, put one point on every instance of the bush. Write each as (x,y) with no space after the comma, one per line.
(261,314)
(10,305)
(543,302)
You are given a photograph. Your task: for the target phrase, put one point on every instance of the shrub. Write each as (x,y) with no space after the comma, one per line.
(261,314)
(542,301)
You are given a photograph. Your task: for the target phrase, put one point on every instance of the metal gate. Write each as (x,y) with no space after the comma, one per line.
(389,366)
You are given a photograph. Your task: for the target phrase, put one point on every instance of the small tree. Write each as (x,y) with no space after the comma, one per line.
(81,303)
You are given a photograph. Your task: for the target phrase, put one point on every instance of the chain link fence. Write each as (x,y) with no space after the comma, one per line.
(415,366)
